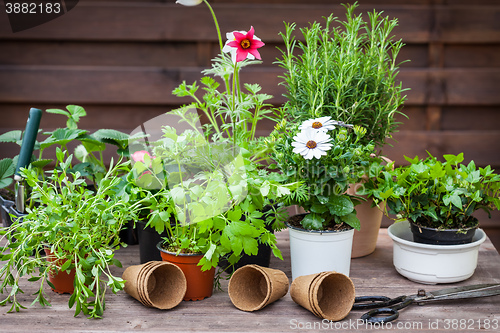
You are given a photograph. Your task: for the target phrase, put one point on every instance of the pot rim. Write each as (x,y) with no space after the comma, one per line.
(445,230)
(433,246)
(314,231)
(159,247)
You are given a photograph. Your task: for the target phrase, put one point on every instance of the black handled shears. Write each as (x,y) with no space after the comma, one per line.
(386,309)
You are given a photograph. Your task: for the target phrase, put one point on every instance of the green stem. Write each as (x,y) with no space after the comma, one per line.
(216,25)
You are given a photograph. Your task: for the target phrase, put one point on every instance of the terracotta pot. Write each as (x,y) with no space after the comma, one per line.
(370,218)
(62,281)
(200,284)
(365,239)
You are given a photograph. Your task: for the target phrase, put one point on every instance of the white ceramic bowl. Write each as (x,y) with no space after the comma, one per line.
(432,264)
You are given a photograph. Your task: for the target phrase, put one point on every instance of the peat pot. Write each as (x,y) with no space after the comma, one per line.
(432,264)
(315,251)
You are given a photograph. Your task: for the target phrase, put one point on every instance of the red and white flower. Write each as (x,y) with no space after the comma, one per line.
(243,45)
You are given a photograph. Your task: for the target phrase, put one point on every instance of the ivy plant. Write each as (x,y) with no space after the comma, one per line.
(438,194)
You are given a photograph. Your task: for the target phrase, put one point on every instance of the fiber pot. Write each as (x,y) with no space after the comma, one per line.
(432,264)
(63,282)
(253,287)
(436,236)
(200,284)
(328,295)
(148,238)
(156,284)
(315,251)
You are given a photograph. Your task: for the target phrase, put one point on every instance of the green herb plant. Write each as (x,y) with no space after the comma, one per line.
(212,197)
(80,227)
(89,151)
(346,70)
(437,194)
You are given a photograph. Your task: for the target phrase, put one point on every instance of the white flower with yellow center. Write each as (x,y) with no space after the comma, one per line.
(311,143)
(323,124)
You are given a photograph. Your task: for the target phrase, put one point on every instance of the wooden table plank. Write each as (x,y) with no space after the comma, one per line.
(372,275)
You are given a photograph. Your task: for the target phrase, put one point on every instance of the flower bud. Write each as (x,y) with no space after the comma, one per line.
(189,2)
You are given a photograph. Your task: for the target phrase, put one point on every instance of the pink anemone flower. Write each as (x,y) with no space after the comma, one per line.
(243,45)
(138,156)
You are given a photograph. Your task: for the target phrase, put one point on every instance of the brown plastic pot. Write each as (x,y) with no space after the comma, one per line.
(200,284)
(62,281)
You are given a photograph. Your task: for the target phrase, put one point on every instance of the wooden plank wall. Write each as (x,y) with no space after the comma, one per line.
(121,60)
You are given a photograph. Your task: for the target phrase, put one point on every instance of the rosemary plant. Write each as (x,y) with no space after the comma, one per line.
(346,70)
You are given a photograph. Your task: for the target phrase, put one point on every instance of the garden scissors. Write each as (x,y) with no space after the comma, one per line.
(385,309)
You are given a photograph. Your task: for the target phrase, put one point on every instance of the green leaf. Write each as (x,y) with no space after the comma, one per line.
(59,111)
(66,265)
(317,208)
(313,222)
(352,220)
(41,163)
(7,169)
(113,137)
(340,205)
(12,136)
(62,136)
(250,246)
(474,177)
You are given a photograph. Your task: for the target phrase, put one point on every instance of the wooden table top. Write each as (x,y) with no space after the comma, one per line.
(372,275)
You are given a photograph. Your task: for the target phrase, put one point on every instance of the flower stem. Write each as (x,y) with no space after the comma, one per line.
(216,24)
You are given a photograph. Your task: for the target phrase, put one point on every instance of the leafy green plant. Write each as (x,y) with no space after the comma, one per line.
(81,229)
(438,194)
(211,198)
(324,164)
(89,151)
(346,70)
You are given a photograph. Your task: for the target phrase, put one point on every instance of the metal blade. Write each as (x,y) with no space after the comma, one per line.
(478,290)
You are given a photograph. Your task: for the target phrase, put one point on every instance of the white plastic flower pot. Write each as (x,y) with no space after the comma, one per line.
(314,251)
(432,264)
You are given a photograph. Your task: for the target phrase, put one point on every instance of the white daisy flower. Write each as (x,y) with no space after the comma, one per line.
(323,124)
(310,143)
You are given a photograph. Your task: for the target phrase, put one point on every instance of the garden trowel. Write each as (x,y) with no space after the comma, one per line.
(27,145)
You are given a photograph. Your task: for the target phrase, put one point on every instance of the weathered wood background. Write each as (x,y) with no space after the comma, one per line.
(121,60)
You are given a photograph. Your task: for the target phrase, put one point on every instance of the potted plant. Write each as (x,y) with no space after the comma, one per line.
(89,152)
(324,161)
(437,201)
(347,70)
(231,112)
(70,232)
(208,202)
